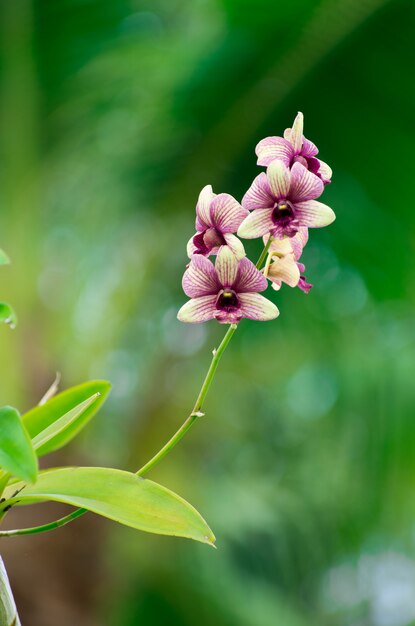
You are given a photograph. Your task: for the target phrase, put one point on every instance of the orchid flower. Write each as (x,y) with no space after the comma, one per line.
(226,291)
(283,200)
(283,266)
(293,148)
(218,216)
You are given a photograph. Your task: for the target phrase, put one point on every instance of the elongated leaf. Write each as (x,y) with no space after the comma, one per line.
(51,438)
(121,496)
(7,315)
(41,417)
(17,455)
(4,259)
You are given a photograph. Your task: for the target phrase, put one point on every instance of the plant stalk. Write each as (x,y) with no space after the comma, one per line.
(197,409)
(8,611)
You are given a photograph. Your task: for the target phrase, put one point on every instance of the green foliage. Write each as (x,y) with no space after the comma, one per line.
(121,496)
(54,436)
(74,407)
(7,315)
(17,455)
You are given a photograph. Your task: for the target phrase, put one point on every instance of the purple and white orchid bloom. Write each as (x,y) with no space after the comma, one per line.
(218,216)
(293,148)
(226,291)
(283,200)
(283,261)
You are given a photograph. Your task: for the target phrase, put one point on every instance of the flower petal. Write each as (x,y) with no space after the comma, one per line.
(190,248)
(259,195)
(256,307)
(299,241)
(304,285)
(226,267)
(226,213)
(257,223)
(235,245)
(228,317)
(203,219)
(279,178)
(280,246)
(309,149)
(325,172)
(296,135)
(272,148)
(314,214)
(198,310)
(200,278)
(285,270)
(304,184)
(249,278)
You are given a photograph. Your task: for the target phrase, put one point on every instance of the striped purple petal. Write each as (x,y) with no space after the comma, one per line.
(308,149)
(257,223)
(226,213)
(325,172)
(256,307)
(296,135)
(299,241)
(203,219)
(226,267)
(279,178)
(235,245)
(190,248)
(259,195)
(249,278)
(304,184)
(200,278)
(198,310)
(272,148)
(314,214)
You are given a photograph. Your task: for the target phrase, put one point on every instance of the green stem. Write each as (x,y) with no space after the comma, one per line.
(8,611)
(196,412)
(264,253)
(45,527)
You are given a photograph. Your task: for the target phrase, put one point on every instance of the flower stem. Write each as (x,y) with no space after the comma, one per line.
(264,253)
(45,527)
(196,412)
(8,611)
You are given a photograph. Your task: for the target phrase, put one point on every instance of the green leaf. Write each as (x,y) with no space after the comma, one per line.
(4,259)
(41,417)
(121,496)
(51,437)
(7,315)
(17,455)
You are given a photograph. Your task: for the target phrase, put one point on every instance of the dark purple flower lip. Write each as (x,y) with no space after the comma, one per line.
(227,300)
(284,219)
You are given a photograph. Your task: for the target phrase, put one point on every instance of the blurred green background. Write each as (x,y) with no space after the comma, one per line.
(114,114)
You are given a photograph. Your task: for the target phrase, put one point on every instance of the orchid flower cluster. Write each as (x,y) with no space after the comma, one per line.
(279,207)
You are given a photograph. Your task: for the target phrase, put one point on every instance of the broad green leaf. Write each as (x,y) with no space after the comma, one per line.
(41,417)
(4,259)
(121,496)
(17,455)
(51,438)
(7,315)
